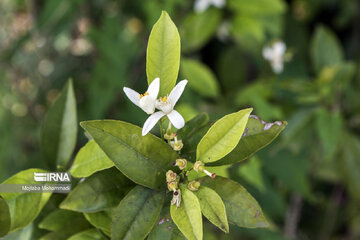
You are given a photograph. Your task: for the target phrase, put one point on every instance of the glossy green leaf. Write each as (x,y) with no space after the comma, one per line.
(143,159)
(24,207)
(192,133)
(198,28)
(101,220)
(102,190)
(322,41)
(241,208)
(63,224)
(90,234)
(212,207)
(258,134)
(222,137)
(5,219)
(163,54)
(21,234)
(165,228)
(59,129)
(90,159)
(258,6)
(201,78)
(137,213)
(187,216)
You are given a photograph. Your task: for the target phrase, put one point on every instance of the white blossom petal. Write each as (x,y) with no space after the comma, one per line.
(176,119)
(151,121)
(279,48)
(154,88)
(219,3)
(268,53)
(201,5)
(177,91)
(132,95)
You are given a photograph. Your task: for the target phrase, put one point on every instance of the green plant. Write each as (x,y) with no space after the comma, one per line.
(136,183)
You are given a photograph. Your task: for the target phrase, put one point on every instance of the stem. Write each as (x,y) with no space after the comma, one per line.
(161,129)
(293,216)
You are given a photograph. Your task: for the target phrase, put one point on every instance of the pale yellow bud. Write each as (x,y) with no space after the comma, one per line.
(172,186)
(181,163)
(170,176)
(194,185)
(199,166)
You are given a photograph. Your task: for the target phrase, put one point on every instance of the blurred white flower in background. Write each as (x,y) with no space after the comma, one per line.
(223,31)
(202,5)
(275,54)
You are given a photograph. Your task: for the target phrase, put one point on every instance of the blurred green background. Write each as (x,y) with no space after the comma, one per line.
(308,181)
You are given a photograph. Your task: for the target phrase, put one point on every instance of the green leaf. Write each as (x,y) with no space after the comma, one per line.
(251,172)
(102,190)
(165,229)
(26,233)
(59,129)
(328,127)
(163,54)
(200,77)
(241,208)
(322,41)
(254,139)
(187,217)
(137,213)
(212,207)
(198,28)
(90,159)
(350,166)
(90,234)
(192,133)
(5,219)
(222,137)
(63,224)
(24,207)
(258,7)
(101,220)
(143,159)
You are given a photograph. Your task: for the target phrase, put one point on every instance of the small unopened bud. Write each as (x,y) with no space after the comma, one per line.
(170,176)
(169,135)
(172,186)
(181,163)
(199,166)
(194,185)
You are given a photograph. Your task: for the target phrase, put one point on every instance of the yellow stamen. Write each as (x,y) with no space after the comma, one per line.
(164,99)
(142,95)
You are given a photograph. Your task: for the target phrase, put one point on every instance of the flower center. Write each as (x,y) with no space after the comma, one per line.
(164,105)
(145,94)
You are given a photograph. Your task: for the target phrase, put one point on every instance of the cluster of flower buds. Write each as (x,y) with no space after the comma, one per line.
(194,185)
(177,145)
(172,182)
(200,167)
(181,163)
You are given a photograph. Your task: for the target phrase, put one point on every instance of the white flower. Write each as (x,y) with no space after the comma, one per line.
(202,5)
(275,54)
(147,100)
(166,106)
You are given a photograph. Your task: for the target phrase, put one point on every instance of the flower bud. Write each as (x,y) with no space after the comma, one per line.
(199,166)
(170,176)
(194,185)
(177,145)
(168,136)
(172,186)
(181,163)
